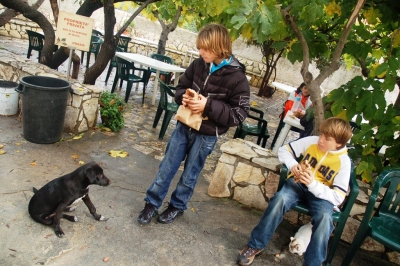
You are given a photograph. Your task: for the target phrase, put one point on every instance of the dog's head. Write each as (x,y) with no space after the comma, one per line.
(95,175)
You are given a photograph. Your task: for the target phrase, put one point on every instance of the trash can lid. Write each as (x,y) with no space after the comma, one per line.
(45,83)
(8,84)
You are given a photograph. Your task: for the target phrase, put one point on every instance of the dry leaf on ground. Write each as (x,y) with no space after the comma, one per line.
(116,153)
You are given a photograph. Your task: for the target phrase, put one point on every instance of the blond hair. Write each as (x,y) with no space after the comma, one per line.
(336,128)
(215,38)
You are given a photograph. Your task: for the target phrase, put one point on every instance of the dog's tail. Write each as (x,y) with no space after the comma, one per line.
(34,190)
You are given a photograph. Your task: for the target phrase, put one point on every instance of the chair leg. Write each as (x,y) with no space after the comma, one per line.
(158,116)
(40,53)
(355,245)
(264,143)
(114,83)
(278,130)
(144,92)
(128,90)
(29,53)
(167,118)
(87,60)
(335,242)
(237,133)
(82,55)
(108,72)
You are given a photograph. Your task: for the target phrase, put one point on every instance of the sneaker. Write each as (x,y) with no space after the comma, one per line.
(169,215)
(247,255)
(147,213)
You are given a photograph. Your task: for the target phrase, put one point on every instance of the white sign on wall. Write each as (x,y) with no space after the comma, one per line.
(74,31)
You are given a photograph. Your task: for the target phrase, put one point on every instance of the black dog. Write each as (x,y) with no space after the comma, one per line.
(49,202)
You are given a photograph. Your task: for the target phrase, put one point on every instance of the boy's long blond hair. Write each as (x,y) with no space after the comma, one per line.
(336,128)
(215,38)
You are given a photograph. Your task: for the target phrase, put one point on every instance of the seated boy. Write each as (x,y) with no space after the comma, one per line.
(322,188)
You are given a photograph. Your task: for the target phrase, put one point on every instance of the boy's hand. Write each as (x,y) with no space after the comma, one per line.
(197,106)
(302,176)
(305,178)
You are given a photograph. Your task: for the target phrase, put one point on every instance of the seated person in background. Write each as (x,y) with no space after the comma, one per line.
(322,184)
(305,99)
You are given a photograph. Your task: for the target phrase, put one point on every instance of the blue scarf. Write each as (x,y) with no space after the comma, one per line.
(224,62)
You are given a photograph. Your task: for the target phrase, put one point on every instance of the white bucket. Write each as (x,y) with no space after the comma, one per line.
(8,98)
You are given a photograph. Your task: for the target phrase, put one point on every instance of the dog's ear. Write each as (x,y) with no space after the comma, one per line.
(90,173)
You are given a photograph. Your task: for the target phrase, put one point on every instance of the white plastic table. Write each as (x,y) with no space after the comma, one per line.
(153,63)
(289,122)
(284,87)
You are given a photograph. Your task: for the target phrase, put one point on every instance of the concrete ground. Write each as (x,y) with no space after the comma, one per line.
(211,232)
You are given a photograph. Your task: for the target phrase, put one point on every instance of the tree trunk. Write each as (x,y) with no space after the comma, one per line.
(314,85)
(34,15)
(8,14)
(107,50)
(270,62)
(166,29)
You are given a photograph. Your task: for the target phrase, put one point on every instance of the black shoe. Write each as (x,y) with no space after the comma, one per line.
(169,215)
(147,213)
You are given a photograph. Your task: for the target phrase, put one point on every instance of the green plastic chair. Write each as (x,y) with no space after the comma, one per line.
(95,44)
(36,41)
(123,43)
(165,59)
(258,129)
(126,71)
(97,33)
(339,218)
(113,63)
(382,223)
(170,108)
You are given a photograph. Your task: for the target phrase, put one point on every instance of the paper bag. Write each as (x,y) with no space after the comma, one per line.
(184,115)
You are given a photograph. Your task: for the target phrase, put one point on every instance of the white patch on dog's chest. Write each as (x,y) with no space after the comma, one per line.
(78,199)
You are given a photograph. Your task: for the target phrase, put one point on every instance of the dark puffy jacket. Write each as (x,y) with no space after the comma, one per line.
(227,91)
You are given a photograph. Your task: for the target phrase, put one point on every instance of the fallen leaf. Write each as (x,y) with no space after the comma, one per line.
(235,229)
(17,144)
(106,259)
(17,151)
(193,210)
(81,162)
(2,152)
(115,154)
(33,163)
(79,136)
(1,146)
(75,156)
(253,103)
(106,129)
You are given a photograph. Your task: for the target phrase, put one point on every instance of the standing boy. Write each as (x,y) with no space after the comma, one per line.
(219,79)
(322,188)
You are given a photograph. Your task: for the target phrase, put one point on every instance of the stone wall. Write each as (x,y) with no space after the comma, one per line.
(249,175)
(82,106)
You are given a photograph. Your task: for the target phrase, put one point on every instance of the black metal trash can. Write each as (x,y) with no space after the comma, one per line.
(44,103)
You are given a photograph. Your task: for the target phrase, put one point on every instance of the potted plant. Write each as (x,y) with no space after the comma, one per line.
(111,107)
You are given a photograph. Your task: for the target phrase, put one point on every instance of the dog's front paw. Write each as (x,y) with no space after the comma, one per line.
(59,232)
(102,218)
(99,217)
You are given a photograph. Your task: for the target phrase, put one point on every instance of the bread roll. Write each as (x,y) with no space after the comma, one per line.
(305,165)
(191,93)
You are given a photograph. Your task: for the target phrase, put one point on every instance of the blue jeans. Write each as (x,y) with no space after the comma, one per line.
(184,143)
(322,221)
